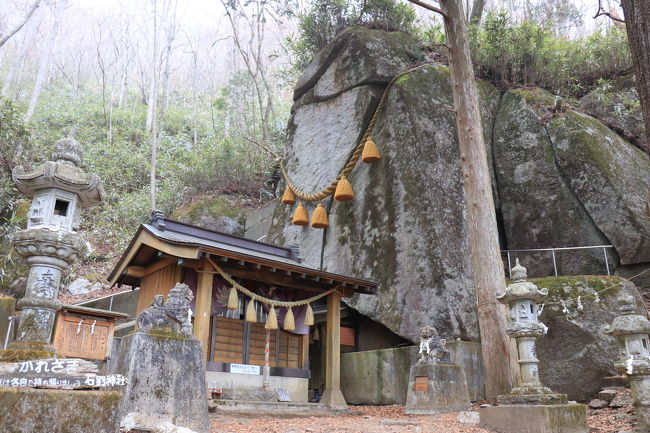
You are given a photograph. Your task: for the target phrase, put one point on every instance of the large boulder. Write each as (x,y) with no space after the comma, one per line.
(609,177)
(560,178)
(528,175)
(575,355)
(616,104)
(219,213)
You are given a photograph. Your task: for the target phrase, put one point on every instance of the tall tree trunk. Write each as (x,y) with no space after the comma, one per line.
(637,22)
(153,100)
(477,11)
(5,37)
(487,267)
(45,60)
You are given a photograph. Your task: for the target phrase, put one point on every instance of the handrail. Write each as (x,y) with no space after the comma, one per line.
(553,250)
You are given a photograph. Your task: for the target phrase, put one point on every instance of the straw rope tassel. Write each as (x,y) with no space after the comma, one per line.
(319,217)
(288,197)
(370,152)
(251,314)
(343,190)
(233,299)
(289,322)
(271,319)
(309,316)
(300,217)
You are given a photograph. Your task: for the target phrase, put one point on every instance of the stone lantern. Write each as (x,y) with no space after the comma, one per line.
(522,297)
(59,189)
(530,407)
(631,331)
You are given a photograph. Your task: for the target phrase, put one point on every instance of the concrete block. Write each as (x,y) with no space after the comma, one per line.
(166,381)
(442,389)
(561,418)
(239,386)
(27,410)
(381,376)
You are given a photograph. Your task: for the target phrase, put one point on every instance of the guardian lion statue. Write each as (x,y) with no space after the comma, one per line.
(432,347)
(172,314)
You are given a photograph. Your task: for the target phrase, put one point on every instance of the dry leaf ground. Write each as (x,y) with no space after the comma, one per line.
(391,419)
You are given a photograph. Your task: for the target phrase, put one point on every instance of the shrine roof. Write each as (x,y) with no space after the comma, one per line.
(188,245)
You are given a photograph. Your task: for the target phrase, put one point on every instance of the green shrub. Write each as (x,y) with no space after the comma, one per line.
(528,54)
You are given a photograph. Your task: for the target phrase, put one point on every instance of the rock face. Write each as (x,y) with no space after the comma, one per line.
(560,179)
(575,355)
(213,213)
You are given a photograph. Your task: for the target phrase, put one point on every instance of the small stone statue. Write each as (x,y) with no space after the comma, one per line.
(432,347)
(173,314)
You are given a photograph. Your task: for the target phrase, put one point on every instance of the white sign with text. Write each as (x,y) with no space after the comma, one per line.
(244,369)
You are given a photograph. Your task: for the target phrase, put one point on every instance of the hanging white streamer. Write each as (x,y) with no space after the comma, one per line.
(580,307)
(79,325)
(92,328)
(630,369)
(565,310)
(544,327)
(539,311)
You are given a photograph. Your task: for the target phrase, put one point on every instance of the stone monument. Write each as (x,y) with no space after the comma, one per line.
(38,391)
(631,331)
(530,407)
(59,190)
(163,364)
(435,383)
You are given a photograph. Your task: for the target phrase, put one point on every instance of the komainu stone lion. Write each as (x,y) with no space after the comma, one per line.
(432,347)
(172,314)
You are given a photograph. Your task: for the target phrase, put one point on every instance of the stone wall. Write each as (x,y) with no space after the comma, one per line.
(381,376)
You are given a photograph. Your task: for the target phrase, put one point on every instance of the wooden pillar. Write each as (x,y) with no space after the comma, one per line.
(203,311)
(332,396)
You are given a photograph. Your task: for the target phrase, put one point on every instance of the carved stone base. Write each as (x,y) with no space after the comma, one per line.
(166,380)
(436,388)
(514,399)
(560,418)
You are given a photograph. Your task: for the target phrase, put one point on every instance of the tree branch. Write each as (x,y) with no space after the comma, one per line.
(30,12)
(602,12)
(428,6)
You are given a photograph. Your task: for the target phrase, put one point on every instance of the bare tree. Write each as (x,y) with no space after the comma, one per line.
(255,16)
(153,100)
(487,268)
(6,36)
(59,8)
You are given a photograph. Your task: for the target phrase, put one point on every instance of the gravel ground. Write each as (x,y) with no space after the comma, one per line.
(392,419)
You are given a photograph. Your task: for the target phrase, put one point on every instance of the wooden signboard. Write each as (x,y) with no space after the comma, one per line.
(421,383)
(82,338)
(347,336)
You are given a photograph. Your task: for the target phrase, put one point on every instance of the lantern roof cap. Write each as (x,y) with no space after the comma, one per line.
(63,173)
(629,322)
(521,289)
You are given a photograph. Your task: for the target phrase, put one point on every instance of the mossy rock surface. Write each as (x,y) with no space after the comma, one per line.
(576,354)
(528,176)
(609,177)
(214,213)
(26,410)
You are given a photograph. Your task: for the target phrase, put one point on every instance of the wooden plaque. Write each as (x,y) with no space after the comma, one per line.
(82,338)
(421,383)
(347,336)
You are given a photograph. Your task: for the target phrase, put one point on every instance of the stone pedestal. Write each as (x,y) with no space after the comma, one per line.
(27,410)
(561,418)
(166,380)
(435,388)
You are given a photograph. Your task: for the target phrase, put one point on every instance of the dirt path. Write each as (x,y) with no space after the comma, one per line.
(391,419)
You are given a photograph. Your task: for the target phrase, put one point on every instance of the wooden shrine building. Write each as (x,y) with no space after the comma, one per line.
(164,252)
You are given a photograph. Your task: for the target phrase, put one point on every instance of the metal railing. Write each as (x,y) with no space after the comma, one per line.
(553,250)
